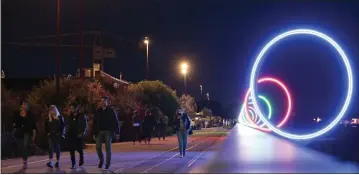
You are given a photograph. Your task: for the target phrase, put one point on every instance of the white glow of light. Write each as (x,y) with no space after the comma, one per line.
(346,104)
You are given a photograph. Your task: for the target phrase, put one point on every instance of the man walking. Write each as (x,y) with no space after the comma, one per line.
(105,126)
(77,126)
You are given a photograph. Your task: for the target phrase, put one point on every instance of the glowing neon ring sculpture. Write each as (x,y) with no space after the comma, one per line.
(254,114)
(348,97)
(287,94)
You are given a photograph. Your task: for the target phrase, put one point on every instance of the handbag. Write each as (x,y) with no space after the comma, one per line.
(190,132)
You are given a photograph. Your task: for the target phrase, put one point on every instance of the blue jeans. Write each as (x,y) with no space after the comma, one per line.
(104,136)
(182,136)
(54,145)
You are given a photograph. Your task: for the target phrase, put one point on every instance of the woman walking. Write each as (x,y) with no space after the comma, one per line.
(76,130)
(182,126)
(24,129)
(55,130)
(148,124)
(136,127)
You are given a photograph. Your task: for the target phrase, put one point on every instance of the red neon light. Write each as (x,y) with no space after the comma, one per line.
(289,99)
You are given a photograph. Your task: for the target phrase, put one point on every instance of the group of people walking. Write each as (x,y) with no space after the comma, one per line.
(105,127)
(146,126)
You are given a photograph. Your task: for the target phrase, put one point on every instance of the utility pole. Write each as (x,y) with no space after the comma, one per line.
(58,67)
(81,54)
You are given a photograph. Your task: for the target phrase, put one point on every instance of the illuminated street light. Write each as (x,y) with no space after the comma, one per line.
(147,41)
(184,71)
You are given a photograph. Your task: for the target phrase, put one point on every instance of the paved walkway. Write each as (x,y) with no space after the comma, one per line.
(158,157)
(248,150)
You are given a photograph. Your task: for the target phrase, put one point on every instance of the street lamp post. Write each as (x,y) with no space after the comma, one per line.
(58,66)
(147,41)
(184,71)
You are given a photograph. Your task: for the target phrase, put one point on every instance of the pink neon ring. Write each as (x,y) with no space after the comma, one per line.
(289,99)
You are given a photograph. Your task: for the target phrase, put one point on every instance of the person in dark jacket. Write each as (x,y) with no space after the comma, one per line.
(105,126)
(24,129)
(182,124)
(55,130)
(77,126)
(148,124)
(161,128)
(136,126)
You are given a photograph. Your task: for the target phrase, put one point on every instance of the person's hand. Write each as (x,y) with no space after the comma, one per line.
(79,135)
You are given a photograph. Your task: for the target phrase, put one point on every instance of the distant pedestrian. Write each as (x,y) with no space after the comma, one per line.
(105,126)
(161,128)
(24,129)
(182,126)
(55,130)
(77,126)
(148,125)
(136,126)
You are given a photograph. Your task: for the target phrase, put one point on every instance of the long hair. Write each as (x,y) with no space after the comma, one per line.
(56,117)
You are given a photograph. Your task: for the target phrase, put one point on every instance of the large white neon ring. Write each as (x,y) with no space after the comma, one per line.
(347,99)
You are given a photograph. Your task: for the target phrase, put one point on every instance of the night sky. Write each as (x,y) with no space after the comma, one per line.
(219,39)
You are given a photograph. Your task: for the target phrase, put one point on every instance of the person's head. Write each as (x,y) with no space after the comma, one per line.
(53,113)
(24,106)
(104,102)
(73,107)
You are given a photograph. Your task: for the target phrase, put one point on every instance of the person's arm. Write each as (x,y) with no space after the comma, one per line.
(85,125)
(116,124)
(47,132)
(14,124)
(63,126)
(94,125)
(34,128)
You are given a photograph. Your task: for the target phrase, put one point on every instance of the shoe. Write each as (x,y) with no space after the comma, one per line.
(25,165)
(50,165)
(107,167)
(57,165)
(73,167)
(100,164)
(81,162)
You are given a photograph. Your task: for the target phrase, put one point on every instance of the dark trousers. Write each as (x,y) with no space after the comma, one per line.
(148,134)
(104,136)
(25,144)
(136,133)
(161,132)
(76,144)
(54,145)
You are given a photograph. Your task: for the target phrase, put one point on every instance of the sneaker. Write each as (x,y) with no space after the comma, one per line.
(57,165)
(73,167)
(81,162)
(100,164)
(107,167)
(50,165)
